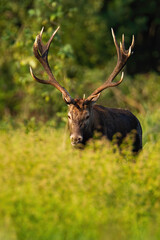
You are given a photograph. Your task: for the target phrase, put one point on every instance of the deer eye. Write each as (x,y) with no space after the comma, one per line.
(69,116)
(87,117)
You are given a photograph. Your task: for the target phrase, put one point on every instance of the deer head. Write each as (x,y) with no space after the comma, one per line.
(80,111)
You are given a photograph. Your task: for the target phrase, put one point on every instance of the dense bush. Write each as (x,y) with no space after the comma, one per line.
(82,55)
(51,191)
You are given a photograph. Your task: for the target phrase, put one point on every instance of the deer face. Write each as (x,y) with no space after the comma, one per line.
(79,121)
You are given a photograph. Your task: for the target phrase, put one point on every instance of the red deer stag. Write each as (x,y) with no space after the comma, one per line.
(84,116)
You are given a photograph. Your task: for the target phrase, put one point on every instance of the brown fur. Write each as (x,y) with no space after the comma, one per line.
(107,121)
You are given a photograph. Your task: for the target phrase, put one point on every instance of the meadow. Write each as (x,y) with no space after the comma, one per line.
(50,191)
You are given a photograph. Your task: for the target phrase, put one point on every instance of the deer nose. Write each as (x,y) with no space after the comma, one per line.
(75,139)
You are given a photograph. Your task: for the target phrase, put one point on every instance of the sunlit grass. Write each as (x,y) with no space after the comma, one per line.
(50,191)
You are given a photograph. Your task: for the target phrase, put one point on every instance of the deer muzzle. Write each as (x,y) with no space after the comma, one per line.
(76,139)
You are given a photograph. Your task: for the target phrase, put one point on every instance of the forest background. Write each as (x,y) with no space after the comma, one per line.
(82,55)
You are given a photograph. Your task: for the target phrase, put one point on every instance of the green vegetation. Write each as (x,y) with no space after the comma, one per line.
(82,54)
(50,191)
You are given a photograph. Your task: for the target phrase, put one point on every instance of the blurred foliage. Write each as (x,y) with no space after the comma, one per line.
(81,56)
(50,191)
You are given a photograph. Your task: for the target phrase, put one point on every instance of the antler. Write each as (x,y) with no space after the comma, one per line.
(123,56)
(41,53)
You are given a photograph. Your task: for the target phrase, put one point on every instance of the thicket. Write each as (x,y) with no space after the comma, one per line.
(50,191)
(82,54)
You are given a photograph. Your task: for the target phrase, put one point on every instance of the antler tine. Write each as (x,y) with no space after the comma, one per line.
(114,38)
(38,79)
(41,53)
(117,83)
(132,44)
(123,46)
(38,42)
(45,48)
(51,38)
(115,41)
(122,57)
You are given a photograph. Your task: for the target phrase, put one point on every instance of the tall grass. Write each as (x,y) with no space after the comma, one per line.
(50,191)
